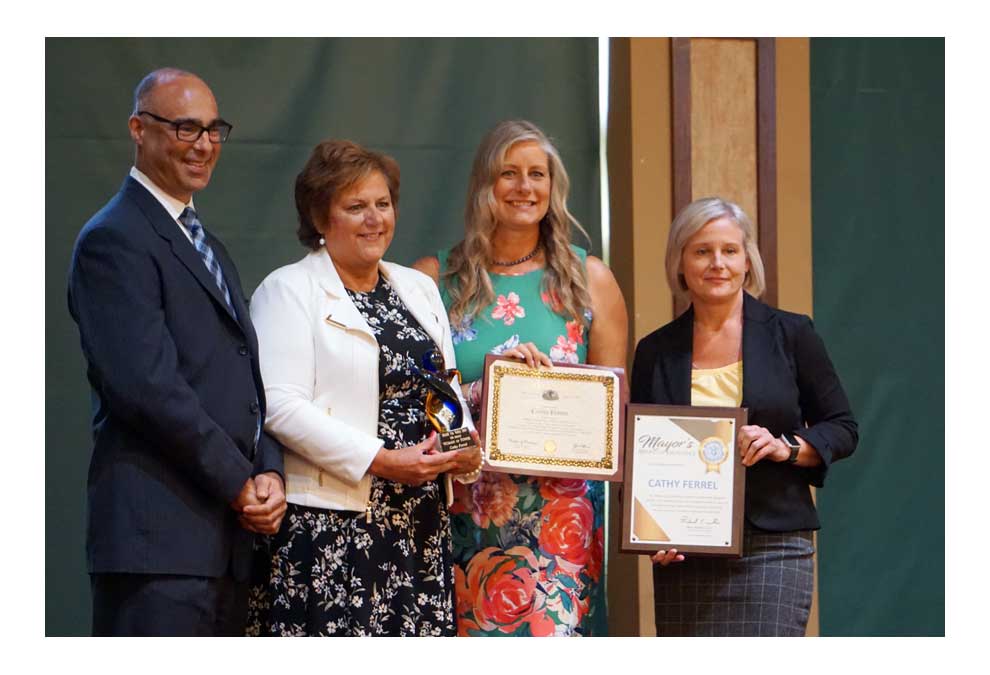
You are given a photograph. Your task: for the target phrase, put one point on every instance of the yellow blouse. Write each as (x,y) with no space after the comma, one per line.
(717,386)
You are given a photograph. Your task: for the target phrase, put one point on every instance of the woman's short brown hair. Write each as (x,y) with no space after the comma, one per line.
(335,166)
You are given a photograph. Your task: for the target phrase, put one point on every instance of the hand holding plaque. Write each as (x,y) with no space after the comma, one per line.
(444,409)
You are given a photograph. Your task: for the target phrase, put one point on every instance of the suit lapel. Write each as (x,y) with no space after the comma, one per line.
(677,360)
(757,351)
(757,345)
(417,304)
(242,313)
(182,248)
(341,311)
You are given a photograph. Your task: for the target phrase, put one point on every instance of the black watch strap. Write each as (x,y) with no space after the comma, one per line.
(792,443)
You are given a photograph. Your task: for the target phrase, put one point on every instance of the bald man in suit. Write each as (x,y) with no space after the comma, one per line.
(182,476)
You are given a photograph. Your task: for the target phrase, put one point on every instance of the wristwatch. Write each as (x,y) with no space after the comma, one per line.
(791,441)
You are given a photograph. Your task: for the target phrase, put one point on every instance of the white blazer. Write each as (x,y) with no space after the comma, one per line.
(319,363)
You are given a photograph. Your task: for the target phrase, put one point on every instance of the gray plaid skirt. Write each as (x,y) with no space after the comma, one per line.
(766,592)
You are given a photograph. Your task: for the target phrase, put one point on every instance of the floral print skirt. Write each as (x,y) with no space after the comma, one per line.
(387,571)
(529,554)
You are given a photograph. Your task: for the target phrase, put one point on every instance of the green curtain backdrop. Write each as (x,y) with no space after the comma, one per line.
(878,204)
(427,102)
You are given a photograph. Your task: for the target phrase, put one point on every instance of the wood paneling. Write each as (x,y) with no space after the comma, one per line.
(724,121)
(724,137)
(794,261)
(766,218)
(681,103)
(794,175)
(652,198)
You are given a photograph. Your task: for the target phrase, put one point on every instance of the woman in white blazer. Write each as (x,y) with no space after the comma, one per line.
(365,546)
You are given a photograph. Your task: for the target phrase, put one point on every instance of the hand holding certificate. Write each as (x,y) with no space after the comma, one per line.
(564,421)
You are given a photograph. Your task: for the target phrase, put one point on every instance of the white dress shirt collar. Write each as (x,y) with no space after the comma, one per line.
(173,206)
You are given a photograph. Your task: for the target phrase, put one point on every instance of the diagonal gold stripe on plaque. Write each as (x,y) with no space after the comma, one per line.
(645,527)
(700,429)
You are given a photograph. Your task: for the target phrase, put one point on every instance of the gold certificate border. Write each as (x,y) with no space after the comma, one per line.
(606,463)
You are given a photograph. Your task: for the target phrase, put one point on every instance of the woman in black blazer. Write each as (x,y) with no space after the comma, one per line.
(729,349)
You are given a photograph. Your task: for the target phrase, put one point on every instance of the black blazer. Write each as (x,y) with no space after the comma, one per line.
(177,394)
(788,383)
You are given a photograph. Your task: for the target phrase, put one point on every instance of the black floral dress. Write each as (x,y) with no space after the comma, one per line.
(386,571)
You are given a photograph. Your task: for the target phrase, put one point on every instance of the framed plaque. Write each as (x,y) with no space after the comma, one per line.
(684,480)
(565,421)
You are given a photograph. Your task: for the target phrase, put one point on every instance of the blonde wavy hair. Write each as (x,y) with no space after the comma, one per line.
(564,281)
(695,216)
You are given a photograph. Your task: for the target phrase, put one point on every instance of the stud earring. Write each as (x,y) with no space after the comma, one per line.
(322,241)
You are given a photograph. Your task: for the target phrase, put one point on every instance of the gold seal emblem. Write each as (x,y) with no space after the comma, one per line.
(549,447)
(713,452)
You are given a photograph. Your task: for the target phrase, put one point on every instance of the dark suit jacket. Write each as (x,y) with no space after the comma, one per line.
(788,382)
(177,393)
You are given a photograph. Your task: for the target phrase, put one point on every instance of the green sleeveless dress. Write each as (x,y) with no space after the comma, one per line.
(528,551)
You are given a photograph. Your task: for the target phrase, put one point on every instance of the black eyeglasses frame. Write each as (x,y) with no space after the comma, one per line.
(220,127)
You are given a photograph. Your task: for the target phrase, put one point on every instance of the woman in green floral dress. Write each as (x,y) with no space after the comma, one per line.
(528,551)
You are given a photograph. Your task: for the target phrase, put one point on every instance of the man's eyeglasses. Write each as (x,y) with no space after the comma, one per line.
(188,131)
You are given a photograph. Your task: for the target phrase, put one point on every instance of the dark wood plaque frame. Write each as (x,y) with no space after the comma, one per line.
(734,549)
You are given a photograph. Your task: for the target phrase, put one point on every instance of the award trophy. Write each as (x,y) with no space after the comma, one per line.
(443,406)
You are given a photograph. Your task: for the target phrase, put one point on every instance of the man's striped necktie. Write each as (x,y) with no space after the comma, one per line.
(189,219)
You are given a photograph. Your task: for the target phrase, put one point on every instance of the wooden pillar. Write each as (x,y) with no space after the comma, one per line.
(794,261)
(641,203)
(724,139)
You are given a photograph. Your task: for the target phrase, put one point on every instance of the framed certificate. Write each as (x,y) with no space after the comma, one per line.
(684,480)
(565,421)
